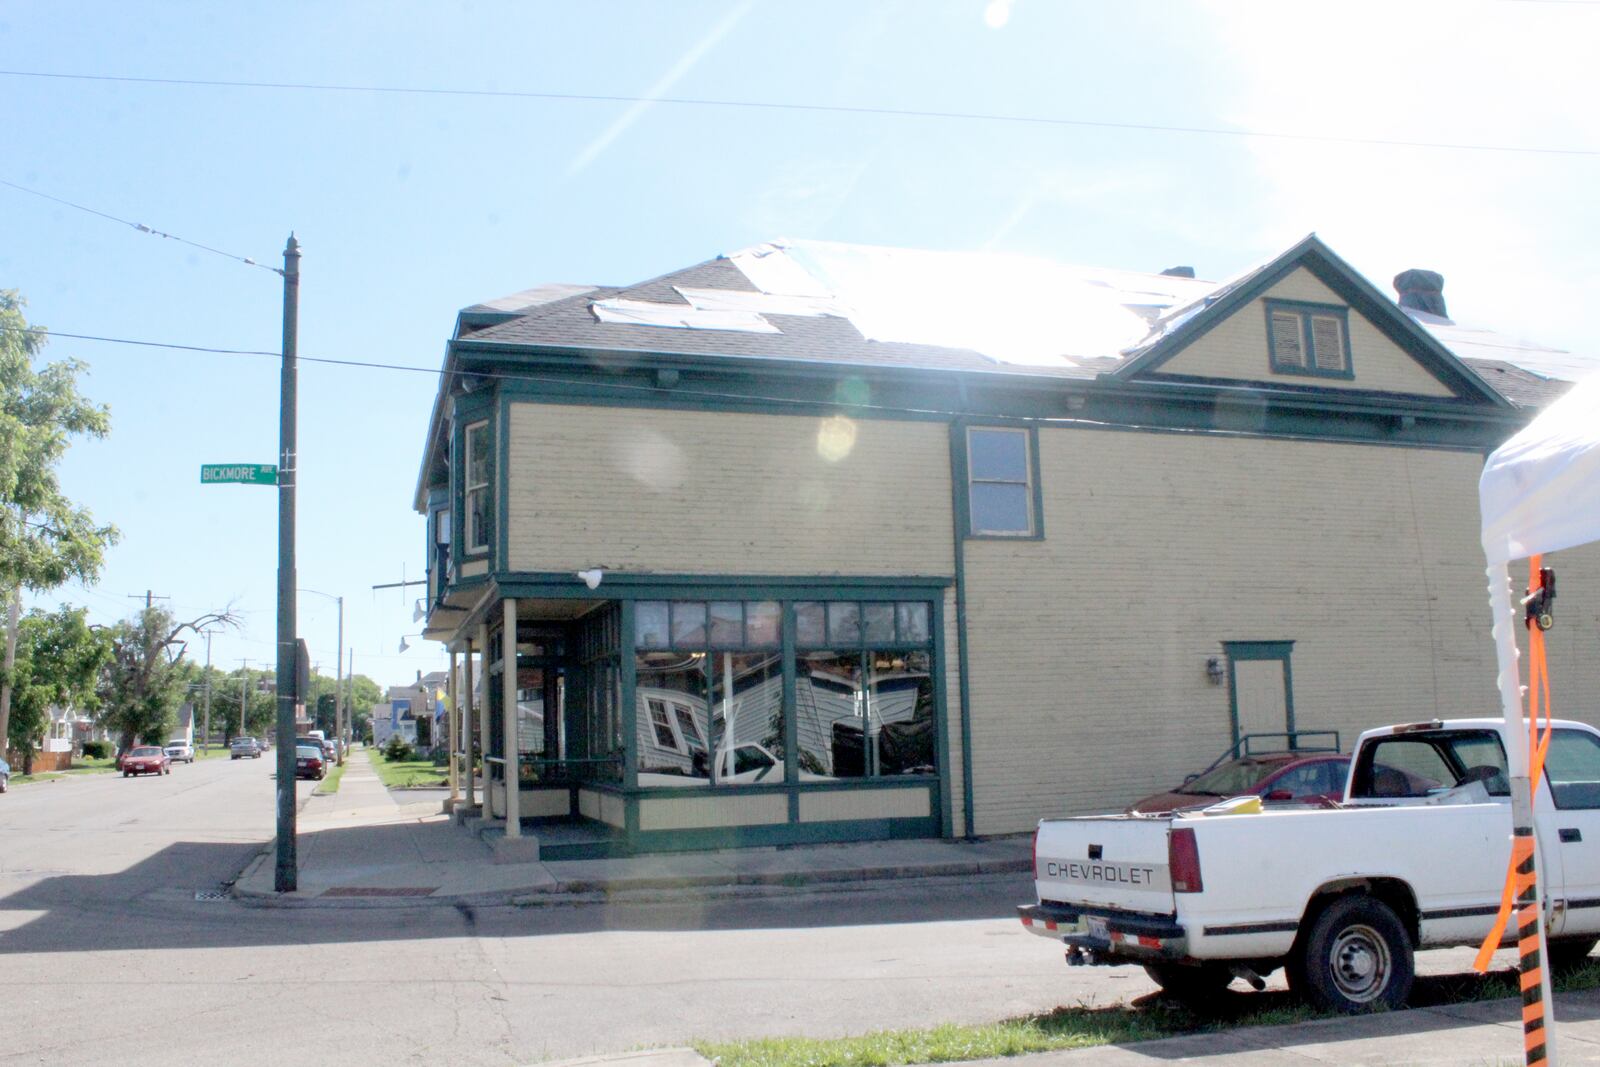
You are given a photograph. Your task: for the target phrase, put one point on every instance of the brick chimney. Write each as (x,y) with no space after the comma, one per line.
(1422,290)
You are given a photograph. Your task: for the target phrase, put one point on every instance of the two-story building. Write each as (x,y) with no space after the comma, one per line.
(824,542)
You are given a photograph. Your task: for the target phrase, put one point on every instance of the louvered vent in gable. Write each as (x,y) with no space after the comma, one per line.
(1327,343)
(1286,345)
(1309,339)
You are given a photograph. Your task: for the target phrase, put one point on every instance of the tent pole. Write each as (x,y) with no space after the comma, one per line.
(1538,1031)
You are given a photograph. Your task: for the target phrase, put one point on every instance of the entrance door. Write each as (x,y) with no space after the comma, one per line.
(1261,690)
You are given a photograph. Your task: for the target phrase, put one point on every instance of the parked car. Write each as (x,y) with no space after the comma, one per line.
(244,748)
(310,761)
(146,759)
(5,776)
(330,749)
(180,751)
(1287,777)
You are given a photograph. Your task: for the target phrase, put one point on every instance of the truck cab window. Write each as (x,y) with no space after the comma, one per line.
(1573,768)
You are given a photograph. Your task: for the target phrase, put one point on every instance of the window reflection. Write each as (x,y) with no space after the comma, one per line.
(747,717)
(883,726)
(672,726)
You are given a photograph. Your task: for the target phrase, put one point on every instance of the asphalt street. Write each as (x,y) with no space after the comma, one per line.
(106,952)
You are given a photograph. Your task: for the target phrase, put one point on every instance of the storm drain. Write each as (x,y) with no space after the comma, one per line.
(379,891)
(210,895)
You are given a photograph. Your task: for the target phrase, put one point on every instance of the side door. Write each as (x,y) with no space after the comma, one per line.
(1568,822)
(1260,687)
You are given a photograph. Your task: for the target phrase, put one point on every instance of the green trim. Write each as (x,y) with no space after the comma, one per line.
(1303,311)
(1169,404)
(958,460)
(836,785)
(791,709)
(942,734)
(561,585)
(500,478)
(629,712)
(1246,651)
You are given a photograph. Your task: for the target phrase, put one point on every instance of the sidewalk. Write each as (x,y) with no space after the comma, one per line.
(361,846)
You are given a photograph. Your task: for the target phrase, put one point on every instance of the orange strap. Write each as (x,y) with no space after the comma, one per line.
(1520,877)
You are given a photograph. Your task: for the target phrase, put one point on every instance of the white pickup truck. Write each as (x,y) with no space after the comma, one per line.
(1414,857)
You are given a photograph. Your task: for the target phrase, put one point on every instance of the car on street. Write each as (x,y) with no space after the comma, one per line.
(180,751)
(244,748)
(330,749)
(1275,777)
(5,776)
(310,761)
(146,759)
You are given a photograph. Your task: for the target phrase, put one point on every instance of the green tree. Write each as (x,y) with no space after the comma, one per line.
(45,539)
(363,692)
(147,677)
(59,659)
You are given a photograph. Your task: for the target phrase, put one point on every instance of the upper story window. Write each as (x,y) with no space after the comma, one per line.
(1001,479)
(479,498)
(1309,339)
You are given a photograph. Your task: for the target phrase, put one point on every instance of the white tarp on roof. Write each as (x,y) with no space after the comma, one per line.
(1540,491)
(680,316)
(1477,343)
(1011,308)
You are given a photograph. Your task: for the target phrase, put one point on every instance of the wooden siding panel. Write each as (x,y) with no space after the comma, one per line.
(1237,349)
(849,804)
(720,493)
(699,813)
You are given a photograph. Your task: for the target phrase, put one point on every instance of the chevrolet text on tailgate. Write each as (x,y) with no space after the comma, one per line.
(1414,857)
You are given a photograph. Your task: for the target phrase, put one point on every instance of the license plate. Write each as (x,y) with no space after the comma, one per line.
(1097,927)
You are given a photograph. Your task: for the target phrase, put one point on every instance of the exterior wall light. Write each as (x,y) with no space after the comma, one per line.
(1214,671)
(591,578)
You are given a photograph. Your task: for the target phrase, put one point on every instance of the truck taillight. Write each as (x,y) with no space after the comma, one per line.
(1035,853)
(1183,860)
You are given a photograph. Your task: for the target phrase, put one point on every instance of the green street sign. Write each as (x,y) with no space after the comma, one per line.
(245,473)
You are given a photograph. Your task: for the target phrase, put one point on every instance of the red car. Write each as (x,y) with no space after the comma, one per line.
(310,761)
(146,759)
(1272,776)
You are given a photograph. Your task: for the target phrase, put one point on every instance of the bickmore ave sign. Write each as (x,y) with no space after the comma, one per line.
(246,473)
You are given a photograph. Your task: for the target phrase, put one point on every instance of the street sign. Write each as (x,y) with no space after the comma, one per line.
(244,473)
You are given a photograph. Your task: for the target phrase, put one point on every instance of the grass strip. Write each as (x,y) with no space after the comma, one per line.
(81,766)
(407,774)
(330,784)
(1147,1019)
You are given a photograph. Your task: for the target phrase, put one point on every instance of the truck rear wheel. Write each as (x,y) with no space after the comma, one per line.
(1356,958)
(1568,954)
(1197,986)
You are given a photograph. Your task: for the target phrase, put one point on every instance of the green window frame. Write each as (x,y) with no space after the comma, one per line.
(1003,498)
(1308,339)
(477,478)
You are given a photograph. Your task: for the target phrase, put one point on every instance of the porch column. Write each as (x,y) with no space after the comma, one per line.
(466,720)
(483,719)
(508,681)
(452,735)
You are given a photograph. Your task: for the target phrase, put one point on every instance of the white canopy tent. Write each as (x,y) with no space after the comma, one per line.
(1540,492)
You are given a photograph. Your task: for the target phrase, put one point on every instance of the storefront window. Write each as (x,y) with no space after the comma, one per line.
(710,692)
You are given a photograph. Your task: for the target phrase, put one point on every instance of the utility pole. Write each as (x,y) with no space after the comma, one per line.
(338,686)
(244,691)
(350,683)
(286,875)
(149,598)
(205,737)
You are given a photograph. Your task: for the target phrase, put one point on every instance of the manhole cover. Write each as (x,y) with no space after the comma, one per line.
(210,894)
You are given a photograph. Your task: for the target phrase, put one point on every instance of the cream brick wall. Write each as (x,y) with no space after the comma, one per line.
(641,490)
(1088,648)
(1237,348)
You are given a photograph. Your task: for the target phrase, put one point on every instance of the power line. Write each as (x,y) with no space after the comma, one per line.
(831,109)
(141,227)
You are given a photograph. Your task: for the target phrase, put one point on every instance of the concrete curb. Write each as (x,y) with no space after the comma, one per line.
(655,1057)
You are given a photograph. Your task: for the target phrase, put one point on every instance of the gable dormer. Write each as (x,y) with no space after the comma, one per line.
(1306,322)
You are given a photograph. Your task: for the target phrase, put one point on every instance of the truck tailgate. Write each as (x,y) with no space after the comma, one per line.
(1112,861)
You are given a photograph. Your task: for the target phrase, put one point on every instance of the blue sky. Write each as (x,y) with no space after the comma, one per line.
(411,206)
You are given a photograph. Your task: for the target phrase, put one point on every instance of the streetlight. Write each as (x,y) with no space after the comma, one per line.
(339,723)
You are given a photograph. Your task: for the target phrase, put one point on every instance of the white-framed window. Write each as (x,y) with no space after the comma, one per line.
(1311,339)
(479,497)
(1000,482)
